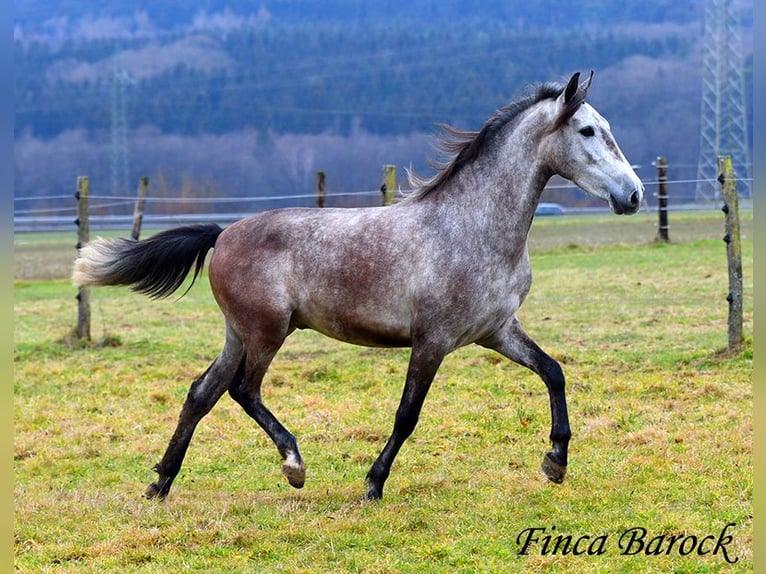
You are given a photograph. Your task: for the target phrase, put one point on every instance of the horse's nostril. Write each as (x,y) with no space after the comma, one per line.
(634,199)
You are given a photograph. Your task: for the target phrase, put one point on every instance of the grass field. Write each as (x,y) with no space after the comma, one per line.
(661,417)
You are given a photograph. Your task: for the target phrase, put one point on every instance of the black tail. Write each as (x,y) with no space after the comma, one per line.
(155,266)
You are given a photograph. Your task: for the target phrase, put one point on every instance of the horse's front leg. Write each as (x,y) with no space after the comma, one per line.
(513,343)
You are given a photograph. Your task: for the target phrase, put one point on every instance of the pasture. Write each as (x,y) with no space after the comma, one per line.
(661,418)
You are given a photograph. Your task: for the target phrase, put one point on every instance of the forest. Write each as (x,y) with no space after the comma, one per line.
(239,100)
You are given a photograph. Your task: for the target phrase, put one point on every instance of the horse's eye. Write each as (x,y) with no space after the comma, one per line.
(587,132)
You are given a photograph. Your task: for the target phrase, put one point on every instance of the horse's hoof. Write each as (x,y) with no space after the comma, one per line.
(373,493)
(553,470)
(294,471)
(154,492)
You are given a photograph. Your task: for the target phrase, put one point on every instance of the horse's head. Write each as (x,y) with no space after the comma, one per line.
(580,147)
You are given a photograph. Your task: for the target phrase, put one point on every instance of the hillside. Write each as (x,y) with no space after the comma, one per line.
(218,99)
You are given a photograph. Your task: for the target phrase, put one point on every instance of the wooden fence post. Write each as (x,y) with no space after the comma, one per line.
(83,236)
(733,251)
(138,211)
(389,184)
(320,189)
(663,229)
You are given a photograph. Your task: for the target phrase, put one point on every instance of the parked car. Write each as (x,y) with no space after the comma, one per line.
(550,209)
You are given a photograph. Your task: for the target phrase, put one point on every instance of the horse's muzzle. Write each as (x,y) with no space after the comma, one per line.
(626,205)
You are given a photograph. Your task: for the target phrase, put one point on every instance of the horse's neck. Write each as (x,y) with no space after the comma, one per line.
(500,207)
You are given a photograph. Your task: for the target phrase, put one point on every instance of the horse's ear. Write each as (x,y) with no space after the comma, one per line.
(586,84)
(573,96)
(572,87)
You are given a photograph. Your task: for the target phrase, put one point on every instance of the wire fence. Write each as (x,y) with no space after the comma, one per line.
(58,212)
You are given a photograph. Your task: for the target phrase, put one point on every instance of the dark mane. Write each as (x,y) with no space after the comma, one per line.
(466,146)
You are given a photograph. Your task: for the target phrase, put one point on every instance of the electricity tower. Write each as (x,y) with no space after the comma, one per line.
(119,80)
(724,113)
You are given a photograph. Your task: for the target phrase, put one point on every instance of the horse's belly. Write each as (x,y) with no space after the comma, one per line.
(358,329)
(361,324)
(367,336)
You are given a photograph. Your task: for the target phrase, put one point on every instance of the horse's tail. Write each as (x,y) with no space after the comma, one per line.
(155,266)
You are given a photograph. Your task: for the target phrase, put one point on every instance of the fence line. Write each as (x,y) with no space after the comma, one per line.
(244,199)
(36,218)
(130,199)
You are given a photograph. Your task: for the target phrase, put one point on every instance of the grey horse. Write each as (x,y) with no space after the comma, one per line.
(445,267)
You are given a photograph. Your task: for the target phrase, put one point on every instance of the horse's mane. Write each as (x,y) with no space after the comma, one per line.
(465,146)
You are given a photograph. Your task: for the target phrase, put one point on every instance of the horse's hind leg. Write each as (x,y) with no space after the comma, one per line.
(515,344)
(424,362)
(246,390)
(202,396)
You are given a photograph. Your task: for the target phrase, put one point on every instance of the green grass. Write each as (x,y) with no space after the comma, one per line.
(661,415)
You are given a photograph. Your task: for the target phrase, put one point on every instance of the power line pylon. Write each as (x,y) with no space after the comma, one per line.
(723,122)
(120,79)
